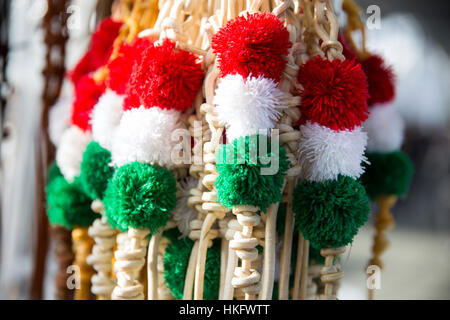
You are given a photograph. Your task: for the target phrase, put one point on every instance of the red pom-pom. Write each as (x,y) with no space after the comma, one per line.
(87,93)
(98,54)
(255,44)
(120,67)
(164,77)
(334,93)
(381,80)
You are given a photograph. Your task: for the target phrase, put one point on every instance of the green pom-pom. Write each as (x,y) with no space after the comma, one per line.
(315,257)
(53,172)
(140,196)
(68,205)
(172,234)
(330,213)
(176,260)
(247,177)
(95,170)
(387,174)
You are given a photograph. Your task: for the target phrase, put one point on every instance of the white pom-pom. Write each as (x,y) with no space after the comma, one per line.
(385,129)
(70,152)
(59,119)
(325,153)
(106,117)
(245,106)
(183,214)
(145,135)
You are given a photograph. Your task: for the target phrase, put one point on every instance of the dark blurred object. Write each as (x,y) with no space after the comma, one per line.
(5,6)
(432,15)
(64,257)
(103,10)
(55,38)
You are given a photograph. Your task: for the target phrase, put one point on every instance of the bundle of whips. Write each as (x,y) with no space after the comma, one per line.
(142,193)
(75,138)
(330,205)
(389,171)
(96,167)
(251,51)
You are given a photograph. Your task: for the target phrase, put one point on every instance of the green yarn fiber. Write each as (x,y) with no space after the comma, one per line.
(387,174)
(53,172)
(95,170)
(329,214)
(176,260)
(68,205)
(241,182)
(140,196)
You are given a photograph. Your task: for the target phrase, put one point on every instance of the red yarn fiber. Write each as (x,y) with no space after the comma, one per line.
(87,93)
(254,44)
(164,77)
(334,93)
(381,80)
(120,67)
(99,51)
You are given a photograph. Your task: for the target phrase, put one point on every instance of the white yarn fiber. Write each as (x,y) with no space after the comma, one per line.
(325,153)
(247,105)
(59,119)
(145,135)
(183,214)
(385,129)
(106,117)
(70,152)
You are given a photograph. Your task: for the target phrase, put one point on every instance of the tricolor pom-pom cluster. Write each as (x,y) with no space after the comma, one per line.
(164,81)
(330,205)
(100,49)
(251,51)
(334,105)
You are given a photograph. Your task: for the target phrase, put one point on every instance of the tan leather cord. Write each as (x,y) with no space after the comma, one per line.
(82,246)
(384,221)
(354,23)
(321,33)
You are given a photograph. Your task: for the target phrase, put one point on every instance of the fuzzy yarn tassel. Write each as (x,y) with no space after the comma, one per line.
(252,44)
(144,135)
(325,153)
(385,129)
(70,152)
(87,93)
(183,214)
(334,93)
(246,105)
(106,118)
(164,78)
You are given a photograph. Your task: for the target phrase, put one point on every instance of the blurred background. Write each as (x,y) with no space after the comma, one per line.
(413,37)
